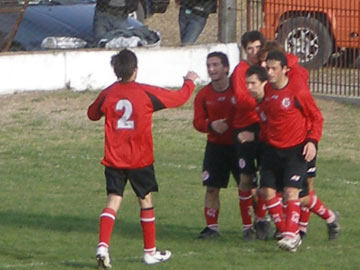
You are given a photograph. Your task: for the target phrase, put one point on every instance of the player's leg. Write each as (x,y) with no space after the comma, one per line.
(331,218)
(247,152)
(269,173)
(147,220)
(244,142)
(293,179)
(304,198)
(143,182)
(215,175)
(211,212)
(115,184)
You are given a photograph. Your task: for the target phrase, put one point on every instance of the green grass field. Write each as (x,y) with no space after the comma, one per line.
(52,191)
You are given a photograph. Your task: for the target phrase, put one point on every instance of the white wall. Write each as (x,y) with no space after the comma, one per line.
(90,69)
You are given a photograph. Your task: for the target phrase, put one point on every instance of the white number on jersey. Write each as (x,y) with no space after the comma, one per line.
(124,122)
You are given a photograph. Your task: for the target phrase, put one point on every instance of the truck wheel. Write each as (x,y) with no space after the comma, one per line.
(307,38)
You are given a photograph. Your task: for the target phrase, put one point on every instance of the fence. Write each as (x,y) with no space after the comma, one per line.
(324,34)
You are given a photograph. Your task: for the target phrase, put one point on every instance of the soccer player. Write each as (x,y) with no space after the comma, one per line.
(213,110)
(292,131)
(128,107)
(309,201)
(246,126)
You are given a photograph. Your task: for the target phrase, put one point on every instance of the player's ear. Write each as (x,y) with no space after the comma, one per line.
(133,76)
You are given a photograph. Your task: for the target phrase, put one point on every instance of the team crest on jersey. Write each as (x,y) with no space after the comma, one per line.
(242,163)
(205,175)
(286,102)
(295,178)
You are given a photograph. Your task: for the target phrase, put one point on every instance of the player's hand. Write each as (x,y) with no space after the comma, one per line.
(219,126)
(191,75)
(309,151)
(246,136)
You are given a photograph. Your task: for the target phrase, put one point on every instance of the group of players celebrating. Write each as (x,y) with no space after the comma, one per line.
(263,119)
(260,121)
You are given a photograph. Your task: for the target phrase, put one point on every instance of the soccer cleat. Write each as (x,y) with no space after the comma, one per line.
(263,229)
(208,233)
(103,258)
(277,235)
(302,234)
(157,257)
(248,234)
(290,244)
(334,227)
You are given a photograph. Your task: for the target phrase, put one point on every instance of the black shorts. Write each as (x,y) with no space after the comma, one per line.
(142,180)
(248,152)
(311,172)
(219,161)
(282,167)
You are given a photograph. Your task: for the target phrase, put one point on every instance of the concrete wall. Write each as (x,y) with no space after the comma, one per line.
(90,69)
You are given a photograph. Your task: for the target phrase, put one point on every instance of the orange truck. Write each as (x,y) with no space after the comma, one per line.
(314,30)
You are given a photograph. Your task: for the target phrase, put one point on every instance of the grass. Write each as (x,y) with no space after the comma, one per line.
(52,191)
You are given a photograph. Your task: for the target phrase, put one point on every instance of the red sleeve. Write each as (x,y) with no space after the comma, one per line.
(201,119)
(238,81)
(172,98)
(94,111)
(312,113)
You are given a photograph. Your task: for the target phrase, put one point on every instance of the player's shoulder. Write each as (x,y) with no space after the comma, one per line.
(241,67)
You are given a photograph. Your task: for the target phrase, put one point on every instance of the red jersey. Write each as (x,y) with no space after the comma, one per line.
(295,68)
(290,115)
(128,109)
(245,114)
(210,105)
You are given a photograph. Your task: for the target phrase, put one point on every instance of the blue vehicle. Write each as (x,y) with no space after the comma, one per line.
(65,24)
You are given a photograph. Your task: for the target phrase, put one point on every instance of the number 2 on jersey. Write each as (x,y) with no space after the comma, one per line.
(124,122)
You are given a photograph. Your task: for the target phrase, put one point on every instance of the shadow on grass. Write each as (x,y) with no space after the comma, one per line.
(68,224)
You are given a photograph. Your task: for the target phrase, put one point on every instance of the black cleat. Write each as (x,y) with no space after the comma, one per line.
(263,229)
(248,234)
(334,227)
(208,233)
(302,235)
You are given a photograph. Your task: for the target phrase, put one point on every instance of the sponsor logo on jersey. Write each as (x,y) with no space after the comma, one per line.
(295,178)
(286,102)
(205,175)
(263,117)
(233,100)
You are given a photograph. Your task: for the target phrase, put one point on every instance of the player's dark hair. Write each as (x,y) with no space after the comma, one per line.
(124,63)
(222,56)
(277,56)
(270,46)
(252,36)
(259,71)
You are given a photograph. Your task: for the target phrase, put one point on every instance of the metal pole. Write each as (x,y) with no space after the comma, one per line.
(227,21)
